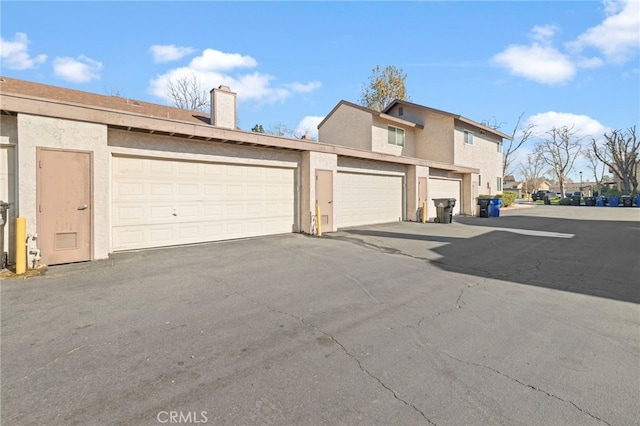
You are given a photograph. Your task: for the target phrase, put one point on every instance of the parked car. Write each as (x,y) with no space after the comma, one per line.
(577,194)
(552,195)
(538,195)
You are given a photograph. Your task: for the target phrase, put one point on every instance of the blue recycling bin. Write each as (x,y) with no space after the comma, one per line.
(600,201)
(494,207)
(614,201)
(638,201)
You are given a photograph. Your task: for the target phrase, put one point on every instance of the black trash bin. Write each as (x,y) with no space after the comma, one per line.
(444,208)
(575,200)
(3,220)
(484,206)
(589,201)
(626,201)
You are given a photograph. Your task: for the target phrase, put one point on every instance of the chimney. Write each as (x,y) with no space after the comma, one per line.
(223,107)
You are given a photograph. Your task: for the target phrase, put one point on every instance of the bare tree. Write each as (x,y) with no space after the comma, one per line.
(384,87)
(620,153)
(512,146)
(532,172)
(187,92)
(559,151)
(595,165)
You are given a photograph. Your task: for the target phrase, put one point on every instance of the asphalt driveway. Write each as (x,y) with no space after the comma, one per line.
(530,318)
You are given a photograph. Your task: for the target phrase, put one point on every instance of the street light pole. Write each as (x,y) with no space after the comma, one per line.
(581,181)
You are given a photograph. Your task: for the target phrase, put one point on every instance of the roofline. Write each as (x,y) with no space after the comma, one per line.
(14,104)
(380,114)
(455,116)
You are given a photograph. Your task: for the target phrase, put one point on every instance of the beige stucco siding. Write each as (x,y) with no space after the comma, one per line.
(312,161)
(435,141)
(8,141)
(380,139)
(34,132)
(347,127)
(483,155)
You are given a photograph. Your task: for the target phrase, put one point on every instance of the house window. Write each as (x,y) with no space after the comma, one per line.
(468,137)
(500,146)
(479,181)
(396,136)
(499,186)
(400,111)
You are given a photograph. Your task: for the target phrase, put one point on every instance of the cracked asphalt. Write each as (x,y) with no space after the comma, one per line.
(404,323)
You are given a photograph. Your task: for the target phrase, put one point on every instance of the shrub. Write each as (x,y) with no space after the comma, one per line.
(508,197)
(565,201)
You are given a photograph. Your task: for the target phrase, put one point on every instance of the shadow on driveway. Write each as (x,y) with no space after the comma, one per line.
(600,259)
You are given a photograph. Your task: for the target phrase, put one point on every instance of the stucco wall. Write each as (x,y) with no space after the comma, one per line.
(312,161)
(483,155)
(380,139)
(347,126)
(35,131)
(435,141)
(8,141)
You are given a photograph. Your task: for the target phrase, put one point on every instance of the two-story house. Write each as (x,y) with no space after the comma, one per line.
(444,139)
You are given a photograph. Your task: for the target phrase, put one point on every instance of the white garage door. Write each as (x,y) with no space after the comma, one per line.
(363,199)
(166,202)
(443,188)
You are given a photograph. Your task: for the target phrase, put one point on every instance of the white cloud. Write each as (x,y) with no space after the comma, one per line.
(617,37)
(168,53)
(215,60)
(308,126)
(543,64)
(544,33)
(15,53)
(213,68)
(80,70)
(583,125)
(304,88)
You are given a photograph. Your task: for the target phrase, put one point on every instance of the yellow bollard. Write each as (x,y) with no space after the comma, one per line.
(424,212)
(21,245)
(318,221)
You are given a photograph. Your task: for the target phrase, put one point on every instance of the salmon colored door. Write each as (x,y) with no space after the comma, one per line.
(324,198)
(64,205)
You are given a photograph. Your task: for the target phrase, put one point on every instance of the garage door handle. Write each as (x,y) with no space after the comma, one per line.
(83,207)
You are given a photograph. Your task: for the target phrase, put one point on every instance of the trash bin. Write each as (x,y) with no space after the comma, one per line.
(614,200)
(575,200)
(547,200)
(3,220)
(484,206)
(494,207)
(638,201)
(590,201)
(444,208)
(601,201)
(626,201)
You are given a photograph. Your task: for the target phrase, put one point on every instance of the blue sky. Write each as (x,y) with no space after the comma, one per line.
(558,62)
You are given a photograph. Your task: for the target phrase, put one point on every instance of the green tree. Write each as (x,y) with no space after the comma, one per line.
(257,128)
(384,87)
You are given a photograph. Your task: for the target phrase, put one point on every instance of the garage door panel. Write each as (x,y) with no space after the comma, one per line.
(443,188)
(167,202)
(363,199)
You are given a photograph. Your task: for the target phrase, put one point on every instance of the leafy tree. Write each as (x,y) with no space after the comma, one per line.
(187,92)
(384,87)
(620,153)
(559,151)
(257,128)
